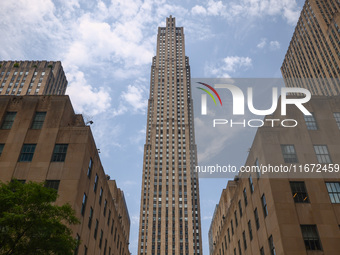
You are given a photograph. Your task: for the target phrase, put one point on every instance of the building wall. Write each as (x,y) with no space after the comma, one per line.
(314,51)
(32,78)
(285,216)
(63,126)
(170,210)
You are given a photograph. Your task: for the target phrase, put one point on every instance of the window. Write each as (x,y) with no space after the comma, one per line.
(53,184)
(244,240)
(322,154)
(251,184)
(310,122)
(78,242)
(245,196)
(89,170)
(311,237)
(271,245)
(27,152)
(289,154)
(232,227)
(258,171)
(105,206)
(101,239)
(38,120)
(250,230)
(100,195)
(299,192)
(240,208)
(96,229)
(2,145)
(261,251)
(85,250)
(83,204)
(239,247)
(333,189)
(264,205)
(59,152)
(236,221)
(337,118)
(8,120)
(95,183)
(228,235)
(90,218)
(256,215)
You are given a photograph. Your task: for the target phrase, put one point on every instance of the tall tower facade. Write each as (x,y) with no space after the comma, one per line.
(21,78)
(314,50)
(170,210)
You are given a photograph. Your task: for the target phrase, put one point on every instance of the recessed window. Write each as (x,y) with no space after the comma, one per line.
(89,170)
(100,195)
(83,205)
(261,251)
(27,152)
(250,230)
(251,184)
(38,120)
(264,205)
(333,189)
(245,196)
(310,122)
(2,145)
(337,118)
(311,237)
(96,229)
(59,152)
(289,154)
(236,221)
(90,218)
(299,192)
(105,206)
(244,240)
(240,208)
(8,120)
(271,245)
(95,183)
(53,184)
(232,227)
(257,222)
(322,154)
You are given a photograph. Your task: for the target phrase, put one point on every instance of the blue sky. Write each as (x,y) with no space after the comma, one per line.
(106,49)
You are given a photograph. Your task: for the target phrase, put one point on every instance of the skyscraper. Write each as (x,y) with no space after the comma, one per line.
(170,210)
(32,78)
(314,51)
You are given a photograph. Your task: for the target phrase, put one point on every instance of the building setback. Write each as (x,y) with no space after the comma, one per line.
(43,140)
(32,78)
(293,214)
(170,211)
(314,50)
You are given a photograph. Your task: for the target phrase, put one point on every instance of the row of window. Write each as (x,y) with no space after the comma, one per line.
(321,152)
(312,124)
(37,122)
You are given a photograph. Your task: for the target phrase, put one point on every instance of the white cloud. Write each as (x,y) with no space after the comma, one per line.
(226,66)
(287,9)
(136,97)
(274,45)
(262,43)
(85,98)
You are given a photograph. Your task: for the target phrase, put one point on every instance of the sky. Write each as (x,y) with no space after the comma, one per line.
(106,48)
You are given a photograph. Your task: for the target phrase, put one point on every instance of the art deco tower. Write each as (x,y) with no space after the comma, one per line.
(170,210)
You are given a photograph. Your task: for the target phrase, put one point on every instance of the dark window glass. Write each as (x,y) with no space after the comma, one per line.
(2,145)
(90,218)
(311,237)
(77,247)
(257,221)
(101,239)
(100,196)
(310,122)
(289,154)
(245,196)
(38,120)
(333,189)
(96,229)
(299,192)
(322,154)
(250,230)
(251,184)
(261,251)
(239,247)
(232,227)
(8,120)
(83,204)
(244,240)
(59,152)
(27,152)
(337,118)
(89,170)
(53,184)
(95,183)
(271,245)
(236,221)
(264,205)
(240,208)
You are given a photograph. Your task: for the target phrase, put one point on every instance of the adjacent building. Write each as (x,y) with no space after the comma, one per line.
(314,50)
(43,140)
(286,213)
(170,209)
(32,78)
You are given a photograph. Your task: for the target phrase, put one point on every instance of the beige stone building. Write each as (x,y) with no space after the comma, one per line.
(286,213)
(32,78)
(170,210)
(314,50)
(43,140)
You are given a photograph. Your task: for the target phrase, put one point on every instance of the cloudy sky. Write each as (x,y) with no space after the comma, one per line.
(106,49)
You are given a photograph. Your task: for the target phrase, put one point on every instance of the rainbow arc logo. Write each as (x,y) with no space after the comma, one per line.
(209,93)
